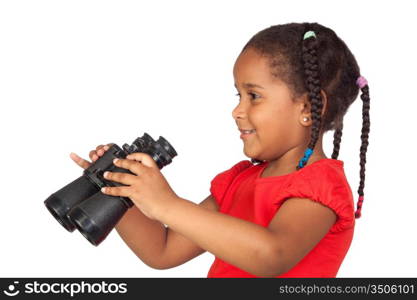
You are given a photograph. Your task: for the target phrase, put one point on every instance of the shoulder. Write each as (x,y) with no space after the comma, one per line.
(322,176)
(324,182)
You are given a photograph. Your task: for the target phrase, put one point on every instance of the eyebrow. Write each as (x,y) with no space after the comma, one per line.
(250,85)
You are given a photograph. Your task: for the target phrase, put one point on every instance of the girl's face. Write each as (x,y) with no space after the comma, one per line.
(266,107)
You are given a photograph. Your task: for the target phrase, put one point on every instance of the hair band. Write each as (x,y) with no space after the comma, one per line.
(309,34)
(361,82)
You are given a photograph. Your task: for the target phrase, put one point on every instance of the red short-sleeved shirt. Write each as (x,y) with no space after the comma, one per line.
(242,192)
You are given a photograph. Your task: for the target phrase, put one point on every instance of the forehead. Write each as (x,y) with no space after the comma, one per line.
(250,66)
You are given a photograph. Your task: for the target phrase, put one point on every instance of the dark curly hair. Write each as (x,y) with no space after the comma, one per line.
(321,62)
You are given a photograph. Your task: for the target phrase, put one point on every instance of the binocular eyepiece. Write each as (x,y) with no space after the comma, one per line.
(80,204)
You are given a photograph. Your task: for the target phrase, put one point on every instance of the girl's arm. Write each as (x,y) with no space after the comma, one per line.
(264,252)
(145,237)
(241,243)
(179,249)
(157,246)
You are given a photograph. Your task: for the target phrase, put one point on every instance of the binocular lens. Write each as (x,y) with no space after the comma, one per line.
(97,216)
(61,202)
(55,209)
(167,146)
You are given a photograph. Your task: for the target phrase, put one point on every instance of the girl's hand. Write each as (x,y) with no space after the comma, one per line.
(94,155)
(147,188)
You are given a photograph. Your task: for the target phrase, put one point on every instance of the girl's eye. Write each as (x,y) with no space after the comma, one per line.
(253,95)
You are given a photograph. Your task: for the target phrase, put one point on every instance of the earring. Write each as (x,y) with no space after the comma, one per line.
(305,119)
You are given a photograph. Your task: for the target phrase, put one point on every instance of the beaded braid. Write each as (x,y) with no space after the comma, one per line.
(312,82)
(363,84)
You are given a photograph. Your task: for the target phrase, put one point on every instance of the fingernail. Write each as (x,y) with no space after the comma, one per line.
(103,189)
(106,173)
(115,160)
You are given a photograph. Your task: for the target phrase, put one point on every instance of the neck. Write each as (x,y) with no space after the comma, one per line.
(287,162)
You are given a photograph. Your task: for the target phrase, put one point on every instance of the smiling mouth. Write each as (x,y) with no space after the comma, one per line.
(247,131)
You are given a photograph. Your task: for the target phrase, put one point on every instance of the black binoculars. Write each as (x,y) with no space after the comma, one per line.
(80,204)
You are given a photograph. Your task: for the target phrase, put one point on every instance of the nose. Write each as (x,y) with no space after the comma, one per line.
(239,112)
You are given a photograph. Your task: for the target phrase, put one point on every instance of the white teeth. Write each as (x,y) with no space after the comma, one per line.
(248,131)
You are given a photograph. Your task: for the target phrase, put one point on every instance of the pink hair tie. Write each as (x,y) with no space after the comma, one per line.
(361,81)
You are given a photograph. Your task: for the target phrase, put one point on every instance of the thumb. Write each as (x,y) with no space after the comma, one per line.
(144,158)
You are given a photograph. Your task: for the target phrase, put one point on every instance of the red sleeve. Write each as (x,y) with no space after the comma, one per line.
(222,181)
(328,186)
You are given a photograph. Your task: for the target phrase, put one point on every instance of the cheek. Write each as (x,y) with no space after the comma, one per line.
(277,128)
(273,120)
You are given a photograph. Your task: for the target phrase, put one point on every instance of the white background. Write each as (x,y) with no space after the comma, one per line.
(75,74)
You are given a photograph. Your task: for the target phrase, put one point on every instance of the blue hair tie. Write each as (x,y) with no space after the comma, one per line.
(307,155)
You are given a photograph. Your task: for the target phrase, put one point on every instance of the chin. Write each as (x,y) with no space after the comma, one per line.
(252,157)
(249,155)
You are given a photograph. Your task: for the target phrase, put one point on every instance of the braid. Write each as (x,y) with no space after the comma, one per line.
(312,82)
(337,137)
(364,137)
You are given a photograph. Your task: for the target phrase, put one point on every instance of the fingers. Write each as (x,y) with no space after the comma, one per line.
(144,158)
(127,179)
(100,150)
(94,155)
(132,165)
(80,161)
(123,191)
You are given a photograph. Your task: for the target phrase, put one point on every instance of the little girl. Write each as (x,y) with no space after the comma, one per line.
(289,211)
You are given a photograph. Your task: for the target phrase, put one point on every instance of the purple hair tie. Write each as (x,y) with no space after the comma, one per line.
(361,81)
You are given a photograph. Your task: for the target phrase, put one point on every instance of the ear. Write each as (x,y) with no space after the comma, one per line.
(305,106)
(324,102)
